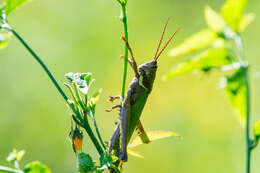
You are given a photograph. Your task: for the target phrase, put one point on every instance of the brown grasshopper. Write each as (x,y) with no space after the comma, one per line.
(136,97)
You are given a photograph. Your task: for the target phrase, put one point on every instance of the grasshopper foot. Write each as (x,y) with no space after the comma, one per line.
(113,107)
(112,98)
(123,156)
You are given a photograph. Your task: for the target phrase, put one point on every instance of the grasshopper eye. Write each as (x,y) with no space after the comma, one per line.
(154,66)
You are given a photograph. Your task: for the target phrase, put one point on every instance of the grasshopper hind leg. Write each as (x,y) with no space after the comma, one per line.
(115,138)
(141,133)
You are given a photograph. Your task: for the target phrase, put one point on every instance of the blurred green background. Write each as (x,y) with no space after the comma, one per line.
(84,36)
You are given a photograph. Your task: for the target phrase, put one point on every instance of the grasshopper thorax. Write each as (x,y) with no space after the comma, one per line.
(147,73)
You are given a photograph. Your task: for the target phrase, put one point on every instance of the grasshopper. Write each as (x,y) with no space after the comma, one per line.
(136,97)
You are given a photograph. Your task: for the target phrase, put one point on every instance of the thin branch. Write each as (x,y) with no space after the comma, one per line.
(97,131)
(93,138)
(124,20)
(249,148)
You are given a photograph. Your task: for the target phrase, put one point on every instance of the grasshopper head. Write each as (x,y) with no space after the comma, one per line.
(147,73)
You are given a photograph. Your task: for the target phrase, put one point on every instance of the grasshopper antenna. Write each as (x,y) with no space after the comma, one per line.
(159,45)
(156,57)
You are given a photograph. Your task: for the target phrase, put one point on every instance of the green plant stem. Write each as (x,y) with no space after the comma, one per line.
(93,138)
(124,20)
(84,124)
(244,65)
(248,140)
(97,131)
(9,170)
(38,59)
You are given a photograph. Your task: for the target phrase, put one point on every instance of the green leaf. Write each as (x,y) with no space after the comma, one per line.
(85,163)
(211,58)
(236,92)
(92,102)
(257,129)
(10,5)
(245,21)
(214,20)
(106,161)
(153,136)
(4,38)
(232,12)
(36,167)
(82,80)
(197,41)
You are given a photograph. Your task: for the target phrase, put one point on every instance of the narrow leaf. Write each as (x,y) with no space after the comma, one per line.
(232,11)
(197,41)
(214,20)
(245,21)
(236,92)
(211,58)
(153,136)
(36,167)
(134,153)
(92,102)
(10,5)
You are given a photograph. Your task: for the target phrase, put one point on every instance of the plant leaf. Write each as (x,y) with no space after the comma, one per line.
(214,20)
(245,21)
(10,5)
(36,167)
(107,159)
(197,41)
(257,129)
(133,152)
(213,57)
(236,92)
(232,11)
(85,163)
(153,136)
(82,80)
(92,102)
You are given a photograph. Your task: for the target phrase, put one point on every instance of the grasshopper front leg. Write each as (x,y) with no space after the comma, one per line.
(122,127)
